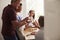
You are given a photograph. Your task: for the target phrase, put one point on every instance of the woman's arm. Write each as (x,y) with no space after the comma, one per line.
(36,24)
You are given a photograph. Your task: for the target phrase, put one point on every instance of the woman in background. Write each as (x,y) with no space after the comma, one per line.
(33,22)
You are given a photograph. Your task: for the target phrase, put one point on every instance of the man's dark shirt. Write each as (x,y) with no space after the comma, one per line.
(9,14)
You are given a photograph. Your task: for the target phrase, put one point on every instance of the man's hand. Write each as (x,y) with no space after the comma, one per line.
(15,23)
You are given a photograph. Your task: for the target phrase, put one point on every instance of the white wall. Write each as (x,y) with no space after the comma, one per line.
(52,20)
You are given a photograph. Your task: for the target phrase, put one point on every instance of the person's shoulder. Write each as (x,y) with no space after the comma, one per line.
(7,8)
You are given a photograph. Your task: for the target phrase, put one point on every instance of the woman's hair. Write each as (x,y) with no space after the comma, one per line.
(32,11)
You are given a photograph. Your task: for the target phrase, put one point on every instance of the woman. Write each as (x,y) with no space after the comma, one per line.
(33,22)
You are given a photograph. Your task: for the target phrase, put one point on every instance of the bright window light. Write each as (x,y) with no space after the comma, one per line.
(37,5)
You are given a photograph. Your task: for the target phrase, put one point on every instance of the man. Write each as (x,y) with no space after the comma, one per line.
(10,21)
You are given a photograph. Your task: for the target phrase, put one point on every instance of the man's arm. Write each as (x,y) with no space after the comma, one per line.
(13,19)
(15,23)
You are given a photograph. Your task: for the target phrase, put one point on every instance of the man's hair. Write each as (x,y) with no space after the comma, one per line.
(12,1)
(41,21)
